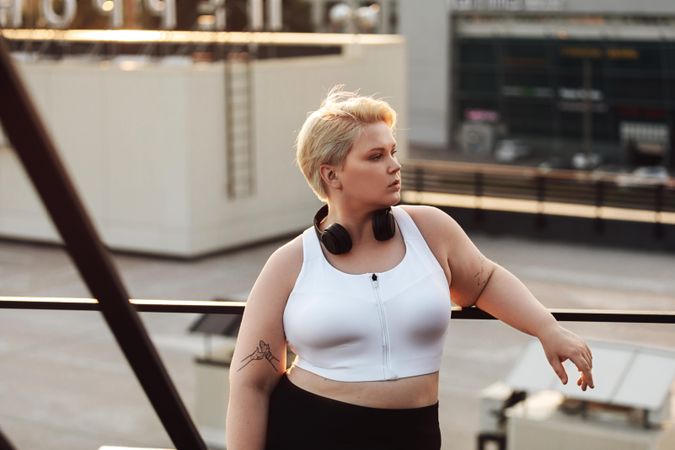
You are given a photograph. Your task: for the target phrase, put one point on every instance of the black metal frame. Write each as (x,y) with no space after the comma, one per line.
(5,443)
(34,147)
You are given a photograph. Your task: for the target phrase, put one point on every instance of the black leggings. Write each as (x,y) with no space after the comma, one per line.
(301,420)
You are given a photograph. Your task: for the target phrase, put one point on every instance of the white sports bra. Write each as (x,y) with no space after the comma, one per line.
(372,326)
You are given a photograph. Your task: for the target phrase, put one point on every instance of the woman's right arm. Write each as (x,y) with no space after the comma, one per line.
(259,357)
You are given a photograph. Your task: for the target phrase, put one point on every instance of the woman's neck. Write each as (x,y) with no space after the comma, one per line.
(357,221)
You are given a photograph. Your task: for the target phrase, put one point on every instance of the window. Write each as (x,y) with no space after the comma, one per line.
(637,88)
(525,53)
(529,117)
(477,52)
(478,82)
(624,55)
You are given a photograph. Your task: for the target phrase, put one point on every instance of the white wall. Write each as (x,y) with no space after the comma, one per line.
(425,27)
(146,148)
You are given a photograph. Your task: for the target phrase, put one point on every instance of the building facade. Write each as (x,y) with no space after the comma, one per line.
(564,83)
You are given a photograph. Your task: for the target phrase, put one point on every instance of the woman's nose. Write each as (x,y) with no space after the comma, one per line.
(396,166)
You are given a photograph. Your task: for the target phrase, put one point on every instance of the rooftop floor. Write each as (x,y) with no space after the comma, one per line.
(65,384)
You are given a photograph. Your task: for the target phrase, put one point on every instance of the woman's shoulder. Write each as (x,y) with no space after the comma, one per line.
(437,227)
(283,266)
(428,218)
(289,254)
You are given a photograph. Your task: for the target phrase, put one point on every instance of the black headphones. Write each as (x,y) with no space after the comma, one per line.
(337,240)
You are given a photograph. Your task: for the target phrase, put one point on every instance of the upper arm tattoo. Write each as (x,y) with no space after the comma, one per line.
(479,277)
(261,352)
(483,275)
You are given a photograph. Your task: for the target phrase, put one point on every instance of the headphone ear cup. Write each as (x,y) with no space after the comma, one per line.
(384,224)
(336,239)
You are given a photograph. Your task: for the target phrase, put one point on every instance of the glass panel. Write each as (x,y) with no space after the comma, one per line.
(525,53)
(572,54)
(636,56)
(477,52)
(530,118)
(478,82)
(572,126)
(636,88)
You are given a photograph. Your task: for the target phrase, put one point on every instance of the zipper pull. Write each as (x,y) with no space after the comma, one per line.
(374,280)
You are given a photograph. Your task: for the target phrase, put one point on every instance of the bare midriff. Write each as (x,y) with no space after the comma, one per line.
(409,392)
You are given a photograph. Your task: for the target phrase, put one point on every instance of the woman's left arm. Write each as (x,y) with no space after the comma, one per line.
(505,297)
(475,280)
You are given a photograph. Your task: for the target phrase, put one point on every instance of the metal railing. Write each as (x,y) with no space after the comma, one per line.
(600,197)
(237,307)
(597,189)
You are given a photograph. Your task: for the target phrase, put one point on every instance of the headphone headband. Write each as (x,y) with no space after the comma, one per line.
(336,239)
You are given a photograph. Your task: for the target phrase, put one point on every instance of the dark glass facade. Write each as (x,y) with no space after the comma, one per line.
(562,96)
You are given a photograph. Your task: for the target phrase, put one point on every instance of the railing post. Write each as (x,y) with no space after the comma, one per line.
(659,230)
(599,202)
(478,189)
(419,179)
(541,198)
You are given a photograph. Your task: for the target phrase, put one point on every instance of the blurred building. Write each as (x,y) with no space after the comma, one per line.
(544,81)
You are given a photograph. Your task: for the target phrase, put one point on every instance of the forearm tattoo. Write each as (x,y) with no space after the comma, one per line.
(262,352)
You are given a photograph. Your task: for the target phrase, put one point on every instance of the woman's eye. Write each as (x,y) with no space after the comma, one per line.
(375,157)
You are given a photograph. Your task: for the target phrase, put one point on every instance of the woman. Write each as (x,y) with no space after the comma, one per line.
(362,298)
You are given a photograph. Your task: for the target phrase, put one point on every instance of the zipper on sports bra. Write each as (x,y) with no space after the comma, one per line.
(385,330)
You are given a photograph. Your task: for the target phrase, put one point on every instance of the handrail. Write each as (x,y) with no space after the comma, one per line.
(521,171)
(237,307)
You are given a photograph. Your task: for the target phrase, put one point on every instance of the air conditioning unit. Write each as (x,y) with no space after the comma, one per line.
(538,423)
(623,412)
(477,138)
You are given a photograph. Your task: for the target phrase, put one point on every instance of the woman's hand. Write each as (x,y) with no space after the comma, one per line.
(560,345)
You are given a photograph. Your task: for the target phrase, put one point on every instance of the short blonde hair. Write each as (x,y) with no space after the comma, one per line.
(329,132)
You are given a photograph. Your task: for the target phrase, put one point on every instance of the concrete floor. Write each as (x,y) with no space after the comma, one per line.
(65,385)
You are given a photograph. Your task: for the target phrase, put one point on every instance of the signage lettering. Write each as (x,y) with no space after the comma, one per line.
(509,5)
(56,20)
(11,17)
(10,13)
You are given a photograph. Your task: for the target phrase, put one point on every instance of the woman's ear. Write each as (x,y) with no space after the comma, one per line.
(330,176)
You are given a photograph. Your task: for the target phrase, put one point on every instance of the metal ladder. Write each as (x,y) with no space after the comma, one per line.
(239,126)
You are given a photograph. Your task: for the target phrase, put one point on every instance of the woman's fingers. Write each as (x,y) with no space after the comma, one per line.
(560,345)
(558,369)
(584,364)
(584,367)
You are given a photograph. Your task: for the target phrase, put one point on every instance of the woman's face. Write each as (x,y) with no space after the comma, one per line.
(371,173)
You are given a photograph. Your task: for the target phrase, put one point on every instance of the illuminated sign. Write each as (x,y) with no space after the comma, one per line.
(527,91)
(581,52)
(508,5)
(622,53)
(596,53)
(481,115)
(580,94)
(11,12)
